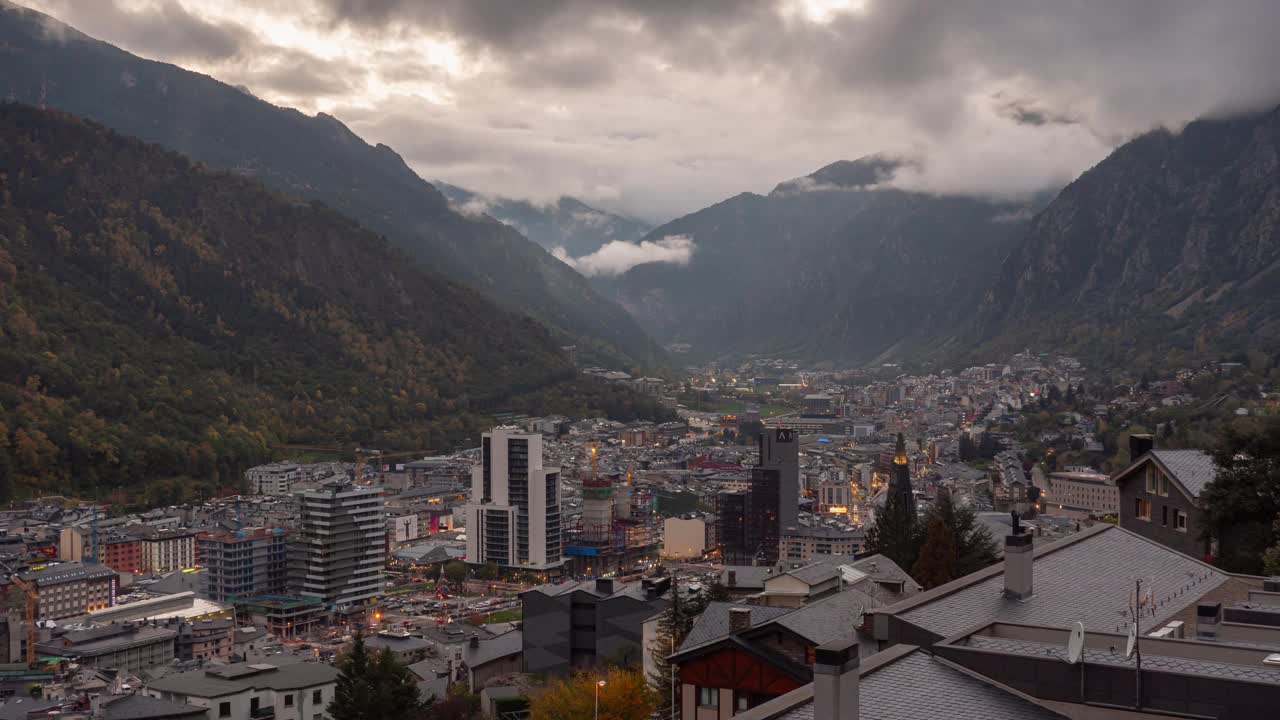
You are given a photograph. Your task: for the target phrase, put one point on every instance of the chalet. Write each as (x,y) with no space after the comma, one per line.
(1160,495)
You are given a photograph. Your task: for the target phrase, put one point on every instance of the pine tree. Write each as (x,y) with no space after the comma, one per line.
(673,627)
(974,546)
(893,534)
(374,686)
(937,563)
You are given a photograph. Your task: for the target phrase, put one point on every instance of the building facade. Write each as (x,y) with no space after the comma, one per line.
(1160,495)
(513,518)
(576,625)
(1091,493)
(73,589)
(340,545)
(121,553)
(244,563)
(273,479)
(166,551)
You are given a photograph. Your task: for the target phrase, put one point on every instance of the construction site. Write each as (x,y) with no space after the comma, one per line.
(619,530)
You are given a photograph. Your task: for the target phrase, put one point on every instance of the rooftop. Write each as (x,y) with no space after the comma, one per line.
(70,572)
(1086,577)
(1193,469)
(231,679)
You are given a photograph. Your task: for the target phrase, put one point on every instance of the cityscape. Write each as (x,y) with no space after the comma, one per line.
(474,360)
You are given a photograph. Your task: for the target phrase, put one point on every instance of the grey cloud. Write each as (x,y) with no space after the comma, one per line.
(164,30)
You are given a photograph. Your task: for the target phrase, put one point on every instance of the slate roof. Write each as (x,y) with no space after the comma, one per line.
(18,708)
(908,684)
(69,572)
(746,577)
(231,679)
(395,643)
(1085,577)
(141,707)
(713,623)
(1099,656)
(814,573)
(832,618)
(1193,469)
(495,648)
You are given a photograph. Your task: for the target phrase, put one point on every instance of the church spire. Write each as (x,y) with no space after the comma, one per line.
(900,482)
(900,452)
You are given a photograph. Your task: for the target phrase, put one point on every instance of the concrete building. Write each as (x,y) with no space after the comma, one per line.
(126,647)
(165,551)
(244,563)
(73,589)
(121,553)
(513,518)
(273,479)
(74,543)
(1080,492)
(294,691)
(805,543)
(752,524)
(578,625)
(339,548)
(685,537)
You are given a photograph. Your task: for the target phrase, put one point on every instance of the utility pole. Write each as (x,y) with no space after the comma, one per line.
(1137,634)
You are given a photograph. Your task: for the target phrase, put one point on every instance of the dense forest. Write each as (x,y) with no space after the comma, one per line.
(159,320)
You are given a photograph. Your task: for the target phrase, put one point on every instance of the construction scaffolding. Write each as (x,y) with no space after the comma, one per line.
(618,529)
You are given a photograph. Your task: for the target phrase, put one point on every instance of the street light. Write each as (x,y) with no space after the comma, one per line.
(599,684)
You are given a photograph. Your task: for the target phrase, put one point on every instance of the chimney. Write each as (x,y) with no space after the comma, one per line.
(1208,615)
(474,642)
(739,620)
(1017,564)
(835,680)
(604,585)
(1140,445)
(733,578)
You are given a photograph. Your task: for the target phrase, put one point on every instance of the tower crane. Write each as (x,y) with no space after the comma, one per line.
(30,593)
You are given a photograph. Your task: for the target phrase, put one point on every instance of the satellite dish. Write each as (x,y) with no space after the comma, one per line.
(1075,644)
(1133,640)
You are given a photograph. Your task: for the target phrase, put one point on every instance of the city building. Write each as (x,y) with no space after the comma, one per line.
(72,589)
(165,550)
(244,563)
(1159,495)
(125,647)
(74,543)
(575,625)
(339,548)
(805,543)
(121,553)
(752,524)
(687,537)
(1082,493)
(273,479)
(293,691)
(513,518)
(281,615)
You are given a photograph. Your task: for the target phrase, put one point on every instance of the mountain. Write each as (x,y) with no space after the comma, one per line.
(1166,250)
(567,224)
(164,320)
(314,158)
(831,266)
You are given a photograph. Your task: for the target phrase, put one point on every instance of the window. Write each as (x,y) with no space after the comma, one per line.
(224,709)
(1180,521)
(1151,479)
(1164,515)
(288,700)
(709,697)
(316,697)
(1142,508)
(1164,485)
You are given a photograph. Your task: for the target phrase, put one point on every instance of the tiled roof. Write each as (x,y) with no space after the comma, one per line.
(1193,469)
(713,623)
(497,647)
(231,679)
(909,686)
(141,707)
(69,572)
(1086,577)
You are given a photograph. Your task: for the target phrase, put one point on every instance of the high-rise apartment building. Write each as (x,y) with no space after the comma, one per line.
(753,523)
(513,518)
(339,547)
(243,564)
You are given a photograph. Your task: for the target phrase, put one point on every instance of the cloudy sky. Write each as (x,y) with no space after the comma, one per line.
(659,107)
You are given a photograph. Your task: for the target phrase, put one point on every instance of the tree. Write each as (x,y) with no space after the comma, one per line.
(1271,558)
(937,562)
(893,534)
(488,571)
(673,627)
(374,687)
(1243,500)
(455,571)
(975,548)
(624,696)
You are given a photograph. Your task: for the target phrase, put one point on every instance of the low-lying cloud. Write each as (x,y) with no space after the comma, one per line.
(619,256)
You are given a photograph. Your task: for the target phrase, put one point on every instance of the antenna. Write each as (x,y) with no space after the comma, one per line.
(1075,643)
